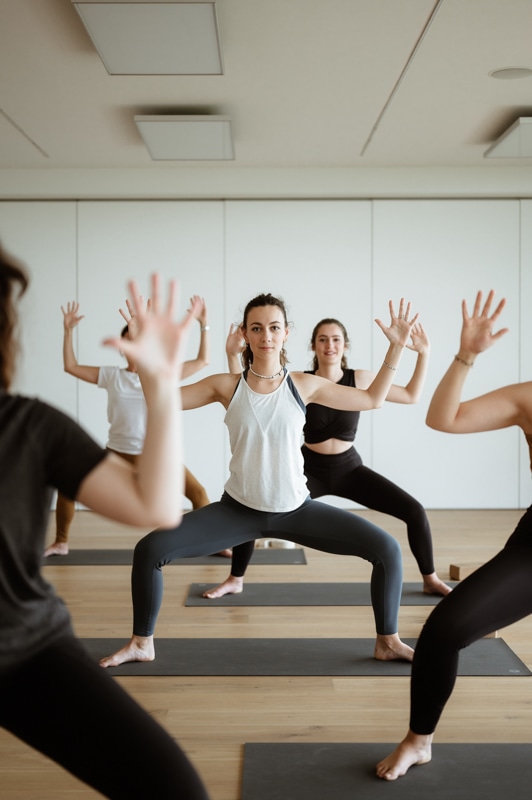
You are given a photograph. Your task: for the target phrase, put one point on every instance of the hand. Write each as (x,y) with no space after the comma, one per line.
(235,341)
(159,344)
(420,340)
(131,320)
(201,313)
(70,318)
(400,329)
(477,334)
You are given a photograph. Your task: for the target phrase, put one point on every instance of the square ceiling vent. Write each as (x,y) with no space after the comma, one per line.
(187,138)
(154,38)
(516,142)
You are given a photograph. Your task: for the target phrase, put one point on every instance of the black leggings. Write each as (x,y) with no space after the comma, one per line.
(66,706)
(228,523)
(343,475)
(494,596)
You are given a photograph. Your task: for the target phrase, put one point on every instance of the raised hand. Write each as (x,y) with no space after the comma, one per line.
(198,303)
(158,346)
(70,316)
(400,329)
(235,340)
(419,340)
(477,328)
(130,316)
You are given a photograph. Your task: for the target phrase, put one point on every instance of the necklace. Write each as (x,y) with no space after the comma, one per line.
(266,377)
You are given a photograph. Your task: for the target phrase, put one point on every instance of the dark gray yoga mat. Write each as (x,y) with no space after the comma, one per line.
(261,555)
(306,594)
(296,657)
(314,771)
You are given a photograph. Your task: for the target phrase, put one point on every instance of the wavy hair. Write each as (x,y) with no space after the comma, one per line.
(13,283)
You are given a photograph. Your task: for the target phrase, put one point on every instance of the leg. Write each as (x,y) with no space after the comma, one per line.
(197,495)
(207,530)
(380,494)
(194,491)
(494,596)
(64,514)
(343,475)
(334,530)
(242,554)
(93,728)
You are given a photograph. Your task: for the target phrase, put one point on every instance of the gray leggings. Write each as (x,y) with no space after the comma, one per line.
(228,523)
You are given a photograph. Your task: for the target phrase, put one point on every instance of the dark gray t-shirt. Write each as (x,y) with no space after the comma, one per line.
(40,449)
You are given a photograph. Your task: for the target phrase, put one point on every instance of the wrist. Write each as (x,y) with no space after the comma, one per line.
(204,326)
(465,357)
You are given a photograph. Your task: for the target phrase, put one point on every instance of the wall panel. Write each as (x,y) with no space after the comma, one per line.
(183,240)
(316,255)
(436,253)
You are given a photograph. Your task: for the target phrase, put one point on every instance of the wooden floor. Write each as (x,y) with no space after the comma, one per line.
(213,717)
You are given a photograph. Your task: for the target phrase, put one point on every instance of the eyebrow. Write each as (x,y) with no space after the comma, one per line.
(272,322)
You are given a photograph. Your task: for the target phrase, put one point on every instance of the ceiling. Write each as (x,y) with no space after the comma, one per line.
(306,83)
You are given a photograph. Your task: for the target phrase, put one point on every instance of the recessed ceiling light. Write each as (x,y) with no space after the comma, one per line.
(511,73)
(186,137)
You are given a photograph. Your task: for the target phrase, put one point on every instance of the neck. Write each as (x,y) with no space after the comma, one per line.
(266,375)
(332,372)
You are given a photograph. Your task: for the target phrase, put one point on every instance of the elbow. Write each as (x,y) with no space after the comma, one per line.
(436,425)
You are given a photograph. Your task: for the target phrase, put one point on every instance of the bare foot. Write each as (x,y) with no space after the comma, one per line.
(139,648)
(231,585)
(227,553)
(391,648)
(57,549)
(414,749)
(434,585)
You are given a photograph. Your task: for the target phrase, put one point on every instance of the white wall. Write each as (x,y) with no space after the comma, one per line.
(343,258)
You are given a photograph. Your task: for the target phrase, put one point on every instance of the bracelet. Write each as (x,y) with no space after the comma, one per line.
(205,328)
(464,362)
(389,366)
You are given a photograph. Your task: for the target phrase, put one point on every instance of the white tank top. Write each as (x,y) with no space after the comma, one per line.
(265,433)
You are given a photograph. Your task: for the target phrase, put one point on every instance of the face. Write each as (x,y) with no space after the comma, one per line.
(266,331)
(329,344)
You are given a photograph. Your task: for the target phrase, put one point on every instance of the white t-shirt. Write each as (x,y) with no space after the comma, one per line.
(126,409)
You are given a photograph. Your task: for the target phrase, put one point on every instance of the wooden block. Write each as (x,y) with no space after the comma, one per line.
(458,572)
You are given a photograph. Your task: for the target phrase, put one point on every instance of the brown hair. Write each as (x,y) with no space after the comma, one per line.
(10,275)
(257,302)
(328,321)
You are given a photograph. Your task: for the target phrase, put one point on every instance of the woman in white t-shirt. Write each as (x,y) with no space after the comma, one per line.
(126,411)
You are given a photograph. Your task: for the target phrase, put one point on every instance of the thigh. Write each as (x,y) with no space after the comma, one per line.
(494,596)
(335,530)
(376,492)
(202,532)
(65,705)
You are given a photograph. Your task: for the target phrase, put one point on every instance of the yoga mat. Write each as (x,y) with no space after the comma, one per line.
(306,594)
(314,771)
(226,657)
(261,555)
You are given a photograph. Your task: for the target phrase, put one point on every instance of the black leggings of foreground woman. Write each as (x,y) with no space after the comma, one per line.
(497,594)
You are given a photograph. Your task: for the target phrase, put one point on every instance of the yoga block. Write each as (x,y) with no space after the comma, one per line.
(458,572)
